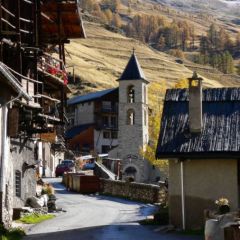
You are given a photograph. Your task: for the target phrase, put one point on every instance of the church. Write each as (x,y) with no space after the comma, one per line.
(115,121)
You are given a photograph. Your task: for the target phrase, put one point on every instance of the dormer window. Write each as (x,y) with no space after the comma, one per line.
(130,117)
(131,94)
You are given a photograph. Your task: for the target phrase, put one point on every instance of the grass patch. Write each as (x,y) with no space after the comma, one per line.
(12,234)
(35,218)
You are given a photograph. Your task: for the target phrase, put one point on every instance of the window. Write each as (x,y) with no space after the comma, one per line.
(105,121)
(114,135)
(131,94)
(18,183)
(105,148)
(106,135)
(130,117)
(106,105)
(114,122)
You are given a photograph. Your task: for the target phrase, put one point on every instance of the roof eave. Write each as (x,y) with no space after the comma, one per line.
(198,155)
(11,80)
(142,79)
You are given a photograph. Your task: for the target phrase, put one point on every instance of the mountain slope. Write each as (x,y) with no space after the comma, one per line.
(100,59)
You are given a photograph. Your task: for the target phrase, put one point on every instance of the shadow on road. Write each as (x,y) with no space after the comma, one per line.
(111,232)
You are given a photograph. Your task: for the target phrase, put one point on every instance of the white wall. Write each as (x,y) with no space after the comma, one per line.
(84,113)
(99,141)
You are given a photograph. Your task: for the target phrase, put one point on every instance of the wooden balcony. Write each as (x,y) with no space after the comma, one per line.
(53,69)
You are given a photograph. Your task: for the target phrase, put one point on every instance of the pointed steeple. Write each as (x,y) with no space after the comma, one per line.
(133,70)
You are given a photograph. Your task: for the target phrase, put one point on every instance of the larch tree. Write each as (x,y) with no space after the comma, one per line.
(155,101)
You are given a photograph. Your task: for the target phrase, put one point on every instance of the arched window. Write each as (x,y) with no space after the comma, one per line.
(131,94)
(130,117)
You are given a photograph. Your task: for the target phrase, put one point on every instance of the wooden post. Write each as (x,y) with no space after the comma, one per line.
(0,17)
(17,25)
(38,23)
(63,54)
(1,47)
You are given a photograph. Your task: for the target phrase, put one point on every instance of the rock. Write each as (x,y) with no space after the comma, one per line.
(52,203)
(35,202)
(39,190)
(45,199)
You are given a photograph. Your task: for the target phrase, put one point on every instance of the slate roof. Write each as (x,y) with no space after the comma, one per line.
(74,131)
(90,96)
(220,136)
(133,70)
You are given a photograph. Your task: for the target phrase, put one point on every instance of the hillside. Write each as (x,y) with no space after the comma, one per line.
(100,59)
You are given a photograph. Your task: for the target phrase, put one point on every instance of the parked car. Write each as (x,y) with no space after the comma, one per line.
(62,168)
(68,162)
(89,166)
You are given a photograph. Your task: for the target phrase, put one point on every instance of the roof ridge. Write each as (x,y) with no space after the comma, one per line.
(90,96)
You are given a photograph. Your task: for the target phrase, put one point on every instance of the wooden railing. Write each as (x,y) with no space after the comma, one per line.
(15,22)
(53,66)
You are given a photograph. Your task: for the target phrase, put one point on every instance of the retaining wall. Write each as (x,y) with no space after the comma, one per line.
(134,191)
(130,190)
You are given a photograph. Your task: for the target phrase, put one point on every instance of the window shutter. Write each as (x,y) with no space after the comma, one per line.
(13,122)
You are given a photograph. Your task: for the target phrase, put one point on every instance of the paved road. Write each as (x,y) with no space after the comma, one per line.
(97,218)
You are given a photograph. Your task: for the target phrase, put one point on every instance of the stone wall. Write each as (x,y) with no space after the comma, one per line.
(134,191)
(23,151)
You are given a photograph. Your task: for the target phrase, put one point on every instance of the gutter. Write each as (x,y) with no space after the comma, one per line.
(183,196)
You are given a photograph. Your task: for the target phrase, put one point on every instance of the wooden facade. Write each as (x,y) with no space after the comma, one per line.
(31,32)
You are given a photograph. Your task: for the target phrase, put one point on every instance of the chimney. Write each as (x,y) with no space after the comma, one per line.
(195,103)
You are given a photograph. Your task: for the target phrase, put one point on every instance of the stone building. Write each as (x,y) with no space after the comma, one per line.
(93,122)
(200,135)
(133,122)
(13,153)
(115,121)
(33,90)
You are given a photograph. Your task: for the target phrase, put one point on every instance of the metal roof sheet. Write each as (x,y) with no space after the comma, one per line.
(90,96)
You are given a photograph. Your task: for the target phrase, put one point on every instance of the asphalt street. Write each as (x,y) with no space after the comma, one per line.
(97,218)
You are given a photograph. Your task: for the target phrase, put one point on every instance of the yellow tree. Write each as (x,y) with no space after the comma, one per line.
(156,90)
(109,15)
(182,83)
(116,21)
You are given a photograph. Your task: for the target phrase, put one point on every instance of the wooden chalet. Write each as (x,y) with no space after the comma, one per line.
(31,32)
(33,89)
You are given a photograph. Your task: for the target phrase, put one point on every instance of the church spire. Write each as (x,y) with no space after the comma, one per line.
(133,70)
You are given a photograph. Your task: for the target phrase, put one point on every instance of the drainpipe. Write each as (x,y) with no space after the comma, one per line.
(182,196)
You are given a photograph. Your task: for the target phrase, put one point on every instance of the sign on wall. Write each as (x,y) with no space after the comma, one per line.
(48,137)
